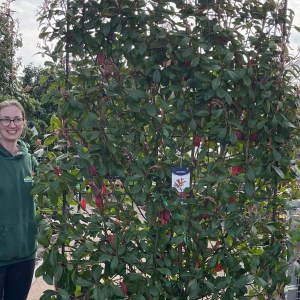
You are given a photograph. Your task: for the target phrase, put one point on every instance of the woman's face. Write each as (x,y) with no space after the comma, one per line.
(9,131)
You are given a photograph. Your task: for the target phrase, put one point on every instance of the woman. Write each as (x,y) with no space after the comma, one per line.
(17,213)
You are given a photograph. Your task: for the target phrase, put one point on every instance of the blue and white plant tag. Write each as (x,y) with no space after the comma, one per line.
(181,178)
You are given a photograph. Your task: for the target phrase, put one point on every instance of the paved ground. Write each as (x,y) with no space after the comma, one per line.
(37,288)
(38,285)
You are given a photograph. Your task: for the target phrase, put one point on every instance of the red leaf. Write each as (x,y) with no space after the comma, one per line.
(111,239)
(231,200)
(187,63)
(57,171)
(123,287)
(183,195)
(83,203)
(196,141)
(103,189)
(100,58)
(235,170)
(93,170)
(219,267)
(253,137)
(164,216)
(239,135)
(99,201)
(204,216)
(92,184)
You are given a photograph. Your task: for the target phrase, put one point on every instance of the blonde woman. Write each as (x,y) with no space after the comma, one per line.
(17,213)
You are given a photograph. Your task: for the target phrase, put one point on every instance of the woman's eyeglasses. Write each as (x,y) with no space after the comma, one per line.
(7,122)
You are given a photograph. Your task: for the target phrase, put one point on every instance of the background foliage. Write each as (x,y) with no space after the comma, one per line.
(10,41)
(24,87)
(144,86)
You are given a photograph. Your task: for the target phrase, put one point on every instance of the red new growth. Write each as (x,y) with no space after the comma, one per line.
(99,201)
(123,287)
(111,239)
(57,171)
(164,216)
(239,135)
(231,200)
(100,58)
(219,267)
(83,203)
(235,170)
(196,141)
(103,189)
(204,216)
(93,170)
(253,137)
(99,197)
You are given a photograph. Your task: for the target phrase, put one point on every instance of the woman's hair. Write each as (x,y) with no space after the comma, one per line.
(16,103)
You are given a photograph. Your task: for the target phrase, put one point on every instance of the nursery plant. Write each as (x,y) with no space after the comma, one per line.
(173,155)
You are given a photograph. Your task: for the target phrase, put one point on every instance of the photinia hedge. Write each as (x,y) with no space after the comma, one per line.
(170,161)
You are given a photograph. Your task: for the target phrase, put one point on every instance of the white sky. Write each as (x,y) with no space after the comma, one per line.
(26,13)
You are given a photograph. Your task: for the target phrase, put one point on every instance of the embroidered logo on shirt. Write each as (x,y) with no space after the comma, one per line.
(28,179)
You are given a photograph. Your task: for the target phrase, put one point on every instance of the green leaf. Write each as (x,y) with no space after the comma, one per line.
(114,263)
(216,83)
(116,290)
(250,173)
(247,81)
(50,140)
(156,76)
(47,295)
(271,228)
(287,124)
(98,293)
(135,276)
(97,273)
(154,291)
(233,138)
(277,156)
(55,122)
(78,253)
(233,75)
(53,258)
(131,258)
(193,289)
(58,272)
(201,113)
(278,171)
(228,57)
(151,110)
(261,281)
(249,188)
(137,94)
(187,52)
(142,48)
(83,282)
(193,284)
(195,61)
(193,125)
(210,285)
(164,271)
(106,29)
(105,257)
(63,294)
(222,133)
(243,281)
(297,28)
